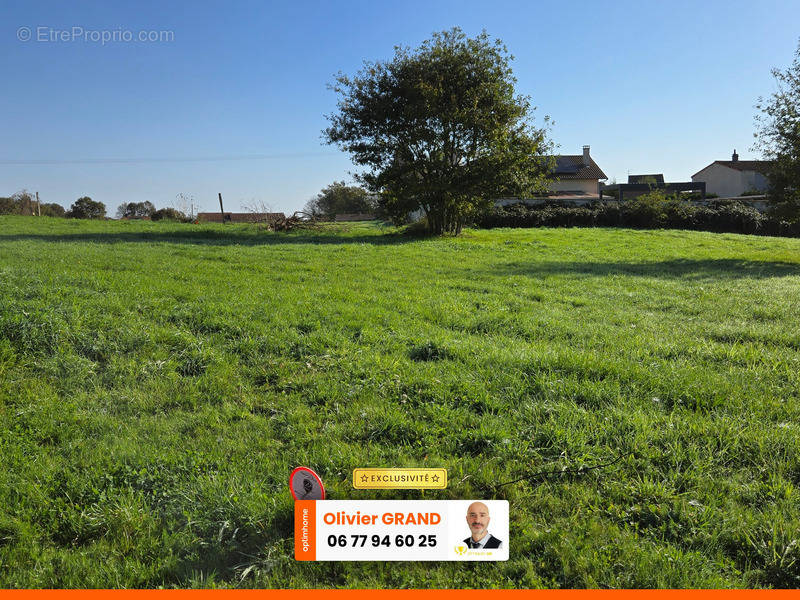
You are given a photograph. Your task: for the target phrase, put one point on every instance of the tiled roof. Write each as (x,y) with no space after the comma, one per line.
(759,166)
(570,166)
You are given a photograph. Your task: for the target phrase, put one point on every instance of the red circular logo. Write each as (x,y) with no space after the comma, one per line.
(305,484)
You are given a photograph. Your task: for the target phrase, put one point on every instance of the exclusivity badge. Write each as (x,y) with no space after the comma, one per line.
(400,479)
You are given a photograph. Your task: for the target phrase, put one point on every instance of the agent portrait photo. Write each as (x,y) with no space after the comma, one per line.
(478,521)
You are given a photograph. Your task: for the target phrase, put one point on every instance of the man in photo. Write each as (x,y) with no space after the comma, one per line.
(478,521)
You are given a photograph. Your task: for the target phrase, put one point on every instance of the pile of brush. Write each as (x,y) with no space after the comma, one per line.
(298,220)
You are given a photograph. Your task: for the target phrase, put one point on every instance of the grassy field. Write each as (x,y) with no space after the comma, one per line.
(159,381)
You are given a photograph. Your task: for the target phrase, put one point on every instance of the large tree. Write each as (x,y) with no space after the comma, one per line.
(135,210)
(339,198)
(86,208)
(778,136)
(441,129)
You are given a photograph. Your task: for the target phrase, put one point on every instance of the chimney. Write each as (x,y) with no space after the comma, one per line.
(735,156)
(586,160)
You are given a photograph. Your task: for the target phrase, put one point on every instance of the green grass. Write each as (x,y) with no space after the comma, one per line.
(158,382)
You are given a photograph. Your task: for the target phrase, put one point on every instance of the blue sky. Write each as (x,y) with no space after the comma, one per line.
(653,87)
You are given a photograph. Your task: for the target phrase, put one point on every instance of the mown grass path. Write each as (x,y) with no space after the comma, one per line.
(158,382)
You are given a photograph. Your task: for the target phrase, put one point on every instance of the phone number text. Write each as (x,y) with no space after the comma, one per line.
(399,541)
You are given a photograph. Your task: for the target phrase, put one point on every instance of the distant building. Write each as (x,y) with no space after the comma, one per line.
(228,217)
(639,185)
(577,173)
(575,180)
(656,178)
(729,178)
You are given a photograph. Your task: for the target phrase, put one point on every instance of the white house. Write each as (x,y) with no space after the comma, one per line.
(575,179)
(729,178)
(577,173)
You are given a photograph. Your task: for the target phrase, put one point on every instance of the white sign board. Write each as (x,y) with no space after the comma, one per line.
(401,530)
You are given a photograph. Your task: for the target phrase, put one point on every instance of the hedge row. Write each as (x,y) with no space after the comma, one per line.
(646,212)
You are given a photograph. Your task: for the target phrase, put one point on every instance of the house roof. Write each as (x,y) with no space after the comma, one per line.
(654,178)
(570,166)
(759,166)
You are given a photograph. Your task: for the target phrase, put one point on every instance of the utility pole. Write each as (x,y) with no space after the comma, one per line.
(221,210)
(38,206)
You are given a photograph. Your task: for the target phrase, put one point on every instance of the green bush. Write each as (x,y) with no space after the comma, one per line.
(20,203)
(8,207)
(170,214)
(787,209)
(52,210)
(653,210)
(697,196)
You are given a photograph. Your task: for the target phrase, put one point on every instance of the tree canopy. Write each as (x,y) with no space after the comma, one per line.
(778,135)
(20,203)
(339,198)
(440,129)
(86,208)
(135,210)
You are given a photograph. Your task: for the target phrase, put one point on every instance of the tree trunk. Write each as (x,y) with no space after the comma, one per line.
(436,221)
